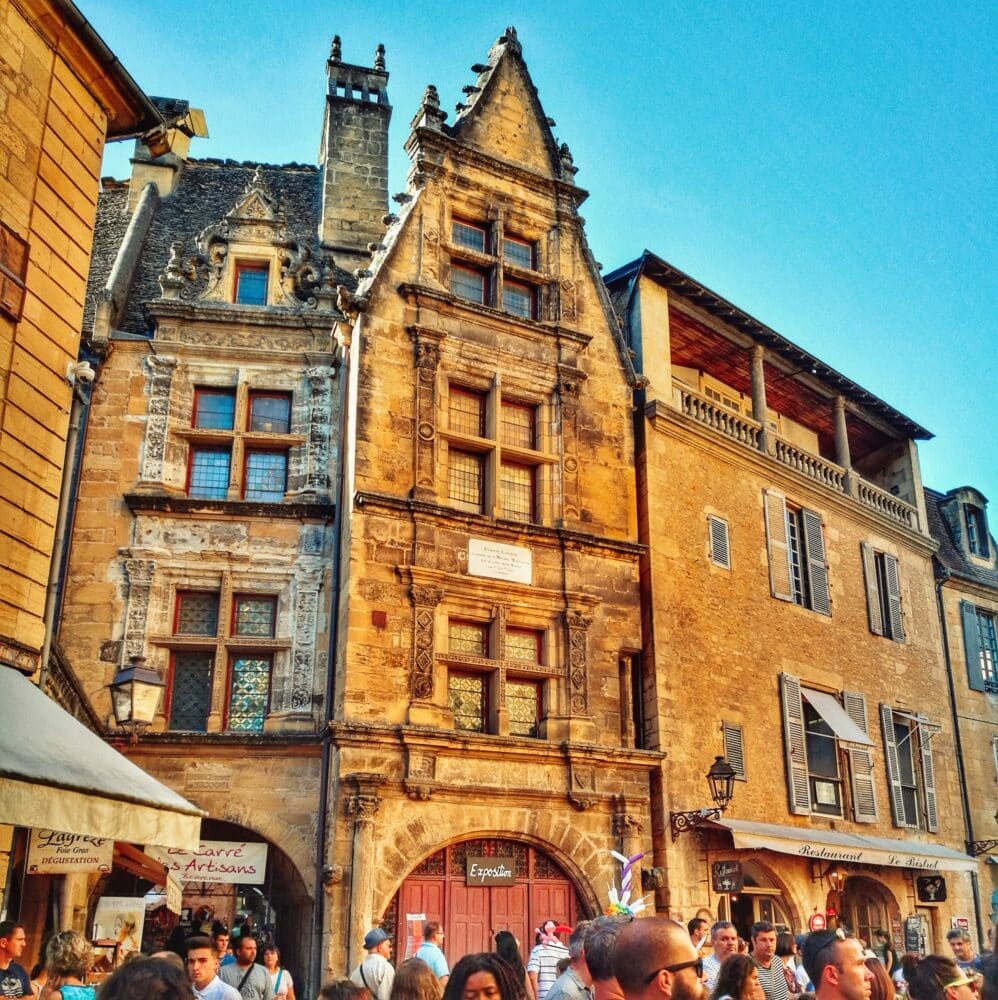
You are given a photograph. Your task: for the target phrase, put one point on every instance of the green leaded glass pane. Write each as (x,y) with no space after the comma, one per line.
(250,686)
(197,614)
(523,645)
(466,699)
(521,706)
(255,616)
(468,637)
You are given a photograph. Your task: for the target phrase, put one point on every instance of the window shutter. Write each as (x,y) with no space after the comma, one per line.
(872,590)
(893,768)
(734,747)
(928,782)
(864,796)
(778,545)
(817,570)
(798,785)
(720,553)
(972,646)
(894,597)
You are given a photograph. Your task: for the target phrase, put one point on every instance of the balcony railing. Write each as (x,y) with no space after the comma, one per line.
(748,432)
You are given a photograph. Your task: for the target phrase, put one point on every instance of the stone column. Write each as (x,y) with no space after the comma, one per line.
(362,805)
(580,724)
(758,375)
(842,455)
(565,507)
(157,420)
(317,446)
(427,362)
(139,574)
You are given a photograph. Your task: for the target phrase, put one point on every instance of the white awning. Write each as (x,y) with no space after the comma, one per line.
(834,714)
(854,848)
(56,774)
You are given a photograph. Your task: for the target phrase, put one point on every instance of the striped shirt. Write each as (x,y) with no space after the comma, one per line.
(773,980)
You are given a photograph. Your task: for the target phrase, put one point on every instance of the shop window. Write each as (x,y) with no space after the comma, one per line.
(13,270)
(980,647)
(270,412)
(251,283)
(883,593)
(796,542)
(493,462)
(486,259)
(910,769)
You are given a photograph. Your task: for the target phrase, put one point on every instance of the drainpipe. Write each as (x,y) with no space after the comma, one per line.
(59,543)
(327,741)
(942,577)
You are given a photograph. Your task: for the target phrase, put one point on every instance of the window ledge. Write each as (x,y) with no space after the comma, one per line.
(209,435)
(144,503)
(209,643)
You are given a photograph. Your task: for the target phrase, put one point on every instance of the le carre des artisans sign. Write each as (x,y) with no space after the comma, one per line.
(216,861)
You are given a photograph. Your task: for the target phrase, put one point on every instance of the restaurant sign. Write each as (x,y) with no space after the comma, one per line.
(489,871)
(726,876)
(51,852)
(216,861)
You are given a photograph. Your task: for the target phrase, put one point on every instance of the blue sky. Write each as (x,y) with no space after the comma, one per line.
(829,168)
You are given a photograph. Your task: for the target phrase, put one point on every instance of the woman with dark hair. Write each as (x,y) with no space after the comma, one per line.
(884,949)
(882,987)
(414,980)
(936,977)
(786,950)
(483,976)
(149,978)
(281,984)
(737,979)
(508,949)
(342,989)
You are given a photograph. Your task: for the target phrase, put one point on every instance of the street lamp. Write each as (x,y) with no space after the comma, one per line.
(135,693)
(721,782)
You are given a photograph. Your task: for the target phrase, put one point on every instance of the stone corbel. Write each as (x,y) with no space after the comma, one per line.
(420,775)
(364,801)
(581,786)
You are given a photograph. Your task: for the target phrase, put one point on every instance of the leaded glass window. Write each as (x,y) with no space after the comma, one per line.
(465,235)
(518,252)
(467,698)
(523,644)
(522,707)
(266,476)
(254,616)
(214,409)
(518,299)
(466,411)
(197,614)
(471,638)
(270,412)
(464,479)
(249,689)
(468,284)
(190,692)
(516,491)
(518,425)
(209,473)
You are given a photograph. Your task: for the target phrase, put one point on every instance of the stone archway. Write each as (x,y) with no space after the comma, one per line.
(866,905)
(765,896)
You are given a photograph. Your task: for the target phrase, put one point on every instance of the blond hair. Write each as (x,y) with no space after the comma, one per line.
(68,954)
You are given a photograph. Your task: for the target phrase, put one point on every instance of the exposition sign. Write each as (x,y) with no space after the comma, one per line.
(489,871)
(500,562)
(216,861)
(51,852)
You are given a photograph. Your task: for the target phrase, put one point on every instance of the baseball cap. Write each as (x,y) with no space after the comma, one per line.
(374,937)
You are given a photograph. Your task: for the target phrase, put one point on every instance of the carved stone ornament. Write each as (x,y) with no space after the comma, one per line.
(577,624)
(331,875)
(582,787)
(363,806)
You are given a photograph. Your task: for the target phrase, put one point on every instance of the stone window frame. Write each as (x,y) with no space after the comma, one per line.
(498,229)
(497,620)
(251,265)
(240,440)
(496,455)
(225,645)
(884,602)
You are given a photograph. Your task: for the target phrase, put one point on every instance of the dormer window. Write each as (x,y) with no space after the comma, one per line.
(977,531)
(251,283)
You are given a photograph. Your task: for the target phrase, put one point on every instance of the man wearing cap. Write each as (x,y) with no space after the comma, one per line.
(375,973)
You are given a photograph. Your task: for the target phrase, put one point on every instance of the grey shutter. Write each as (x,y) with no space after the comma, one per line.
(893,768)
(864,796)
(720,553)
(778,546)
(817,570)
(798,784)
(894,597)
(734,747)
(928,782)
(872,590)
(972,646)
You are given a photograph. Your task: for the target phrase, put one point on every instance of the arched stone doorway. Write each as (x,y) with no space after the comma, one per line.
(471,914)
(867,905)
(281,905)
(763,897)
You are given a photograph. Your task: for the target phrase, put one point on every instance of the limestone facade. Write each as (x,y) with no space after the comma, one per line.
(789,565)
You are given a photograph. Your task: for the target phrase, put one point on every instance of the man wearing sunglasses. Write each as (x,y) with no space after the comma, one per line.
(655,960)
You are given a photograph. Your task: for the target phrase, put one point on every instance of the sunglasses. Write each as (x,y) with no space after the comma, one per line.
(962,981)
(696,965)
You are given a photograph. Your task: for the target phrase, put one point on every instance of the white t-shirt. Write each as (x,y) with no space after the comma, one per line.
(286,983)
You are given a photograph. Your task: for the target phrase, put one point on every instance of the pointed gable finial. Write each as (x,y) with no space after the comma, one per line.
(509,39)
(429,114)
(336,50)
(379,58)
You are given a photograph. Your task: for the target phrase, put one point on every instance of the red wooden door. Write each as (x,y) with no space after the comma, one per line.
(467,927)
(552,900)
(509,912)
(418,896)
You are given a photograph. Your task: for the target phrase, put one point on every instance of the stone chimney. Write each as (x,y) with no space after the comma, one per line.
(354,157)
(161,153)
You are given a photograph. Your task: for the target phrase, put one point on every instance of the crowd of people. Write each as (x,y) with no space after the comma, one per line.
(609,958)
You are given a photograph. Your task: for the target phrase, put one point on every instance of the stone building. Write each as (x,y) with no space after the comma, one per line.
(789,609)
(967,603)
(490,610)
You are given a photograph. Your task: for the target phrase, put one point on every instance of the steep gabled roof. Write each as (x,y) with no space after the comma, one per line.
(950,555)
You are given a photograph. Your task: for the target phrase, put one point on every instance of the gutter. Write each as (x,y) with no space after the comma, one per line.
(942,577)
